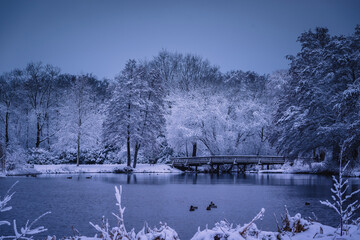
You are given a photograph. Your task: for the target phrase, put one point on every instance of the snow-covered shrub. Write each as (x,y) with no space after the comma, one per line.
(15,158)
(67,157)
(126,169)
(120,232)
(115,156)
(223,230)
(340,203)
(294,224)
(301,166)
(164,232)
(25,232)
(92,157)
(40,156)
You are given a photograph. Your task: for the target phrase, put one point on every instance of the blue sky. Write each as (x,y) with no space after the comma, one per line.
(81,36)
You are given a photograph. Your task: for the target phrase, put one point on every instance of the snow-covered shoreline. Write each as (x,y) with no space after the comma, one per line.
(103,168)
(146,168)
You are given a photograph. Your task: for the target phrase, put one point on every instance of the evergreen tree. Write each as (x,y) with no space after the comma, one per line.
(309,117)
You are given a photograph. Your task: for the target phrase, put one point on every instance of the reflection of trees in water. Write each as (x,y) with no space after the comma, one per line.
(305,184)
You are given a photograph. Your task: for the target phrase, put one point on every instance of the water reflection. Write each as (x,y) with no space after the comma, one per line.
(193,178)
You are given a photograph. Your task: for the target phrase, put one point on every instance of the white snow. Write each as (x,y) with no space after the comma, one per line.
(225,231)
(103,168)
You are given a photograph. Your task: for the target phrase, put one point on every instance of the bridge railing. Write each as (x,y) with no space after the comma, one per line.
(233,159)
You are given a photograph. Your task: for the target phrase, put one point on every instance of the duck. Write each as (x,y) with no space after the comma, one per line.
(89,177)
(307,203)
(212,205)
(69,177)
(192,208)
(208,208)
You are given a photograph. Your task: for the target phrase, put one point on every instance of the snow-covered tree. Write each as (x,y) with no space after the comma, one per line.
(220,124)
(312,113)
(135,112)
(9,93)
(38,84)
(81,117)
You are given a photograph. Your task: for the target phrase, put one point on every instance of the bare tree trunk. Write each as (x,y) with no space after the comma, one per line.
(47,130)
(128,148)
(322,155)
(2,158)
(336,152)
(78,150)
(78,136)
(137,147)
(38,130)
(7,129)
(27,129)
(341,226)
(194,149)
(128,139)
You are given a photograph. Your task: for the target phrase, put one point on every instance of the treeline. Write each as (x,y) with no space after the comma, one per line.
(181,105)
(319,110)
(42,109)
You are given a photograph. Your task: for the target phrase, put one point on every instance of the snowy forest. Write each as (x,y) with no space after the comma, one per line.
(181,105)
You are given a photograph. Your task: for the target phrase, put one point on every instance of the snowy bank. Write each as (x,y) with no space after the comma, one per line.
(291,228)
(25,170)
(103,168)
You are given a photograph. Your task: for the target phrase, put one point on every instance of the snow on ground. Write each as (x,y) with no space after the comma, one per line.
(314,230)
(269,171)
(22,171)
(324,232)
(103,168)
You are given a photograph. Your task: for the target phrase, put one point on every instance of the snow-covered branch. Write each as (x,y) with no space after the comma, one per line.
(340,199)
(25,232)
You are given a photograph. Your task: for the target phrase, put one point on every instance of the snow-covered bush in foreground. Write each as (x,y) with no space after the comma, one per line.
(27,231)
(294,224)
(223,230)
(292,228)
(344,209)
(120,232)
(164,232)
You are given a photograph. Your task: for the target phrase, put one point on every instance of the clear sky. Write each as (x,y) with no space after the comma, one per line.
(82,36)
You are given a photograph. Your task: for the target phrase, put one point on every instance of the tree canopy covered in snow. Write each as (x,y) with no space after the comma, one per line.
(320,107)
(182,105)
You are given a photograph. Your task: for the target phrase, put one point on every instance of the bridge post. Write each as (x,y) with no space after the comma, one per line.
(230,169)
(196,168)
(218,168)
(268,167)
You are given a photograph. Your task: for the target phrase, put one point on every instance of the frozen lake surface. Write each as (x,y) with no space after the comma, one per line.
(167,198)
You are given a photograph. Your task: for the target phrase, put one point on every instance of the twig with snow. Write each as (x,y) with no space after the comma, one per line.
(260,215)
(26,232)
(340,198)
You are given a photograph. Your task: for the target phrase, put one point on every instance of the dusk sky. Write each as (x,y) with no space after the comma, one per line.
(99,36)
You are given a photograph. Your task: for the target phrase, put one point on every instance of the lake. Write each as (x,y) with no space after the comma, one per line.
(167,198)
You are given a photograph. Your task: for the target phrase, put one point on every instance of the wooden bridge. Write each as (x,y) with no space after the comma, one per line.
(241,161)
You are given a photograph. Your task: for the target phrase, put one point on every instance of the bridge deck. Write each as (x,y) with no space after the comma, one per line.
(235,160)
